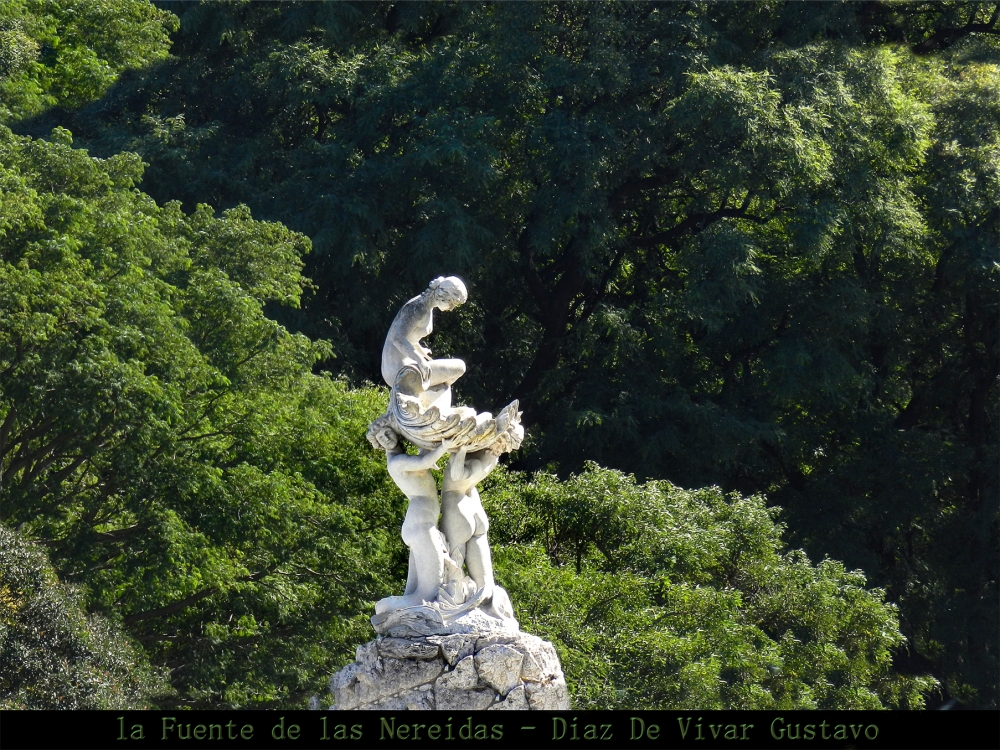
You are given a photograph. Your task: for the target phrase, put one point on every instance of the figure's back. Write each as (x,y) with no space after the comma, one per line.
(411,324)
(413,483)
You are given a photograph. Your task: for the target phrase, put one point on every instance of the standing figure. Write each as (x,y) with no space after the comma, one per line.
(412,474)
(463,520)
(414,321)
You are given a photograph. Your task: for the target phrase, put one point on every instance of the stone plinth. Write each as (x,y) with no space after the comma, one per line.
(458,672)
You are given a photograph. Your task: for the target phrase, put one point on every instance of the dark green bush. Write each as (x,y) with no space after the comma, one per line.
(52,653)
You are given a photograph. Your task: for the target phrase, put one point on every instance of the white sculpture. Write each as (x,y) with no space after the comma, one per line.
(464,522)
(414,321)
(412,474)
(439,597)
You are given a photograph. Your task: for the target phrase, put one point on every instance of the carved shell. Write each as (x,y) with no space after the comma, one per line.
(427,428)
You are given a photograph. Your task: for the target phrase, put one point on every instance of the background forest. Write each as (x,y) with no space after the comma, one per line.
(738,261)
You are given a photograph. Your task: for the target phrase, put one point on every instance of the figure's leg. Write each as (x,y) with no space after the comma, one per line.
(477,550)
(445,371)
(411,577)
(427,558)
(456,524)
(426,566)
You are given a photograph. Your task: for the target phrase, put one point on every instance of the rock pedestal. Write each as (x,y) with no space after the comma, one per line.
(458,672)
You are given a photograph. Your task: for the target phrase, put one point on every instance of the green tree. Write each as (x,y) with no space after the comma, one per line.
(743,244)
(67,53)
(738,244)
(659,597)
(52,653)
(169,443)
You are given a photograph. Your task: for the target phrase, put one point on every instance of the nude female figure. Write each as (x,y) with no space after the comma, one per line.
(414,321)
(412,474)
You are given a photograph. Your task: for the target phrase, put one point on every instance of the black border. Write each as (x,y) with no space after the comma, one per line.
(902,730)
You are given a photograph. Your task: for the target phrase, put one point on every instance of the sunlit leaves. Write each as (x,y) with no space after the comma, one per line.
(69,52)
(664,598)
(168,440)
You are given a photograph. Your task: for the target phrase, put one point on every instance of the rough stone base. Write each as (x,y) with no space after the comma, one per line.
(460,672)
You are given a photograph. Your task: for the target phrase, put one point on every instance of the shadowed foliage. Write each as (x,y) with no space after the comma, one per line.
(53,654)
(744,245)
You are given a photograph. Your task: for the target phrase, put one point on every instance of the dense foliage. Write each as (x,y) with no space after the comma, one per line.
(220,504)
(751,245)
(52,653)
(659,597)
(66,53)
(168,441)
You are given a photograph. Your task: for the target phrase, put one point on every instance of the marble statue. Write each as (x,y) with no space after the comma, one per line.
(440,596)
(450,641)
(464,523)
(414,322)
(412,474)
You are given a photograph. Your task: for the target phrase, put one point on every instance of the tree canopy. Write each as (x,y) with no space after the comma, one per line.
(167,440)
(215,501)
(66,53)
(744,245)
(52,653)
(660,597)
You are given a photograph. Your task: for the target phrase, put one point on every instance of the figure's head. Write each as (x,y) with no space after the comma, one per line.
(448,292)
(382,434)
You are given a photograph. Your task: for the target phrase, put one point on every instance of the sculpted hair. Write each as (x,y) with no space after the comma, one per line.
(376,427)
(452,286)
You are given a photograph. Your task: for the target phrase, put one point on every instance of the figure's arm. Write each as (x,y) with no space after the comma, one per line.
(419,358)
(409,319)
(477,469)
(429,460)
(456,465)
(408,349)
